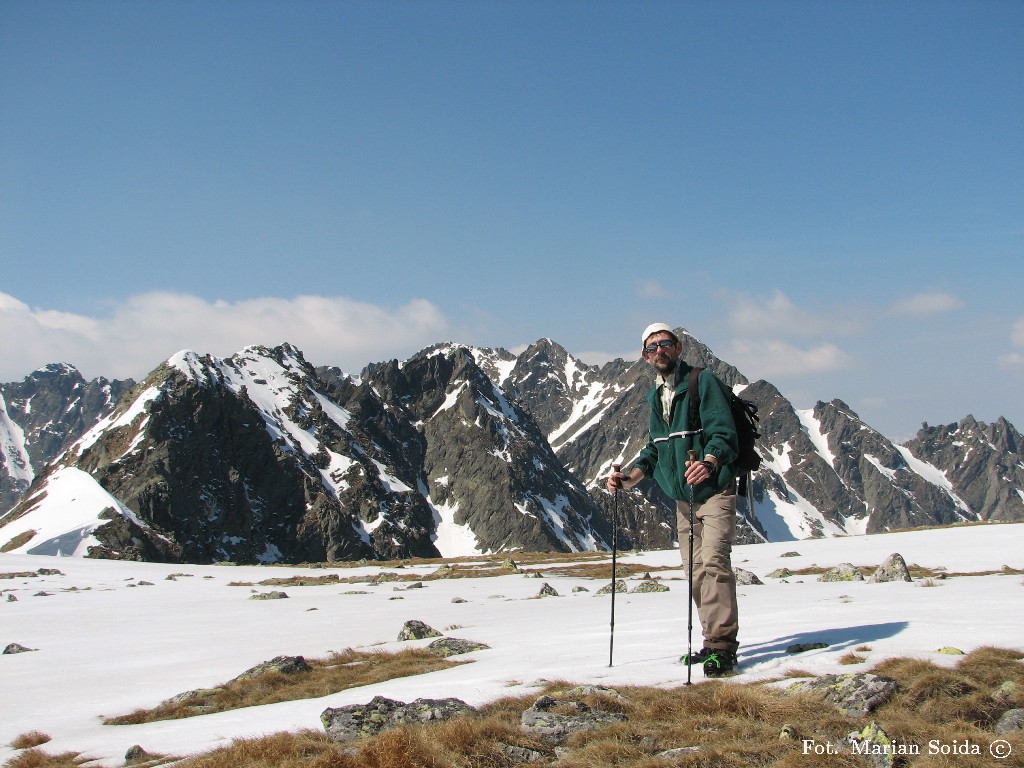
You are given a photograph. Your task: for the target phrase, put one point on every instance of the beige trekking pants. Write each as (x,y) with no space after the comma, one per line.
(713,583)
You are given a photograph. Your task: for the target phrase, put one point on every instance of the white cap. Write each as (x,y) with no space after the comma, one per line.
(654,328)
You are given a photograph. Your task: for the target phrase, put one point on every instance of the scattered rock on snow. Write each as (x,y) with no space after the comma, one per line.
(417,630)
(648,586)
(746,578)
(136,754)
(269,596)
(343,724)
(620,586)
(17,648)
(286,665)
(893,569)
(546,590)
(453,646)
(949,650)
(843,572)
(780,573)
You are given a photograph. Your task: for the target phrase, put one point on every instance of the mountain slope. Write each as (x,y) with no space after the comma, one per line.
(262,458)
(41,416)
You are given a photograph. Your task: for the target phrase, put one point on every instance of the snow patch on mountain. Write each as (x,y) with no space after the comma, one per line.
(13,451)
(64,518)
(813,429)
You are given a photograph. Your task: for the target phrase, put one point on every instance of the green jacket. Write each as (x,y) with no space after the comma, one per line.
(666,461)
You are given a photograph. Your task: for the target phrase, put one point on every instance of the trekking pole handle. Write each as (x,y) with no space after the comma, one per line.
(692,455)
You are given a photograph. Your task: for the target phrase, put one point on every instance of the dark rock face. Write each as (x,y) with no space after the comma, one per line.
(983,462)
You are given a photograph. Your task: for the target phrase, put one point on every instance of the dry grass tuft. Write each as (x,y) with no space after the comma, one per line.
(338,672)
(29,739)
(38,758)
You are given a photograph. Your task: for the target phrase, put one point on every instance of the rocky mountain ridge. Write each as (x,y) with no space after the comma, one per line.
(262,458)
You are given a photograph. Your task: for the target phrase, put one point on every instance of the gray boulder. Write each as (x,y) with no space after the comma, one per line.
(417,630)
(546,590)
(746,578)
(344,724)
(17,648)
(856,695)
(649,585)
(555,720)
(620,586)
(893,569)
(286,665)
(1012,720)
(843,572)
(453,646)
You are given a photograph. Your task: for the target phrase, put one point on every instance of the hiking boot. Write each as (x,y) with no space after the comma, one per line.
(720,663)
(689,659)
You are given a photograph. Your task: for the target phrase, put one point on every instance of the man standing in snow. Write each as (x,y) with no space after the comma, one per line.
(711,481)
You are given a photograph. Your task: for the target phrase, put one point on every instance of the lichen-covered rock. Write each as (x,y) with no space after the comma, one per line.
(875,744)
(453,646)
(843,572)
(745,578)
(417,630)
(269,596)
(950,650)
(546,590)
(780,573)
(344,724)
(893,569)
(286,665)
(648,586)
(17,648)
(620,586)
(1011,720)
(554,720)
(856,694)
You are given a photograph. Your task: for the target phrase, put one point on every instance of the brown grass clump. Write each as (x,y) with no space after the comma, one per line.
(38,758)
(338,672)
(29,739)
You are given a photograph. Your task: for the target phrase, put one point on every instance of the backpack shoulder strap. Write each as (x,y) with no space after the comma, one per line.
(694,397)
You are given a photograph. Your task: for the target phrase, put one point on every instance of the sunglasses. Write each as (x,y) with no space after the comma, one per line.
(653,346)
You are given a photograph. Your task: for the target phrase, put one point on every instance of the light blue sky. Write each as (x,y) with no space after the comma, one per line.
(831,195)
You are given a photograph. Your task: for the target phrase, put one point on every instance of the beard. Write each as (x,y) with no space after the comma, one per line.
(663,363)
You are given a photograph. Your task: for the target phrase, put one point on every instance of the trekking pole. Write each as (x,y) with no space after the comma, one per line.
(615,536)
(689,578)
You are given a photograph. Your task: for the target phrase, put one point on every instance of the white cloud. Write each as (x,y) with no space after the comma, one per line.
(148,328)
(777,315)
(652,289)
(1012,360)
(1017,334)
(925,304)
(775,357)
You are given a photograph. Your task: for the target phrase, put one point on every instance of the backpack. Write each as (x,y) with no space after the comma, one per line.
(744,413)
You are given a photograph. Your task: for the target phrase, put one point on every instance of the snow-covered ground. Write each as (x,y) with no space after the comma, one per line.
(108,644)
